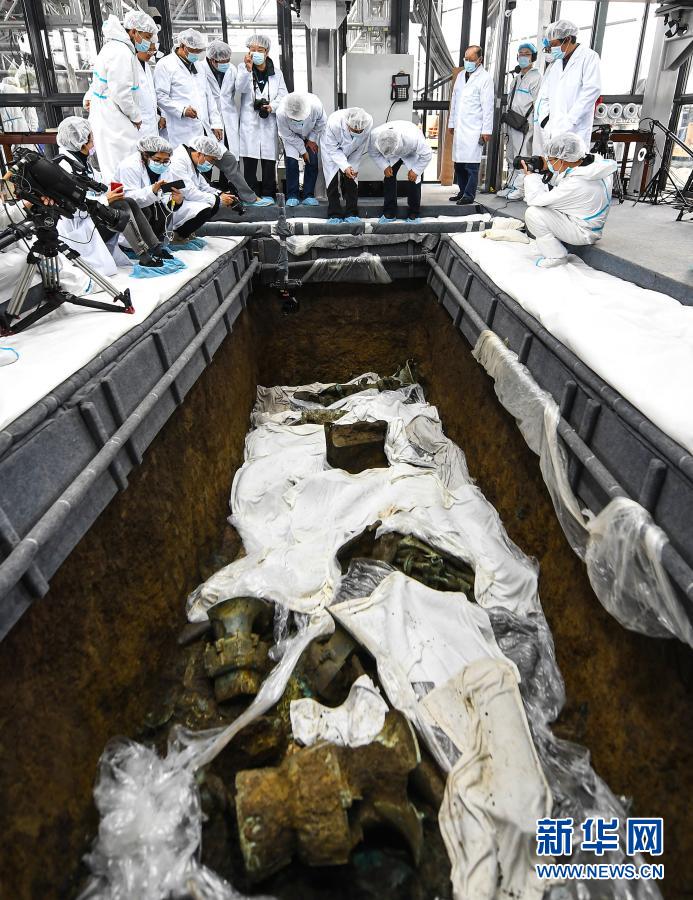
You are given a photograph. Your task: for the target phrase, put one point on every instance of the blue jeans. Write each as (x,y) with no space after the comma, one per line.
(467,178)
(310,176)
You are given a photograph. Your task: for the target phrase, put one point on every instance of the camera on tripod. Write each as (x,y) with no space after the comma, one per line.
(534,163)
(260,105)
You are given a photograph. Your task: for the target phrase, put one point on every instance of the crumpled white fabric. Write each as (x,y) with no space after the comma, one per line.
(622,546)
(356,722)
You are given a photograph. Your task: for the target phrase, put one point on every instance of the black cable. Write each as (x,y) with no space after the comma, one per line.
(387,118)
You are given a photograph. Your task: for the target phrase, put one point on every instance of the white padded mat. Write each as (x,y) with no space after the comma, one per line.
(67,339)
(639,341)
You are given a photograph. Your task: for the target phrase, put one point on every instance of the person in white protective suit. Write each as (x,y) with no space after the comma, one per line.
(521,101)
(221,81)
(301,121)
(114,113)
(573,84)
(146,96)
(201,201)
(16,118)
(95,241)
(343,143)
(470,122)
(261,87)
(397,144)
(571,201)
(182,90)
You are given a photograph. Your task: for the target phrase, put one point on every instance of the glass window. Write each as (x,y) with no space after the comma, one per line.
(620,46)
(689,81)
(681,163)
(646,57)
(16,63)
(582,13)
(71,42)
(298,39)
(203,15)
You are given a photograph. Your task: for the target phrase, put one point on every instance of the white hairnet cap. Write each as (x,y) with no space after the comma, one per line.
(568,146)
(218,50)
(73,132)
(563,28)
(297,105)
(138,19)
(192,38)
(358,118)
(207,145)
(260,40)
(387,141)
(154,144)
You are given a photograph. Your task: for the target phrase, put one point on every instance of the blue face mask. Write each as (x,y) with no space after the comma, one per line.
(223,67)
(158,167)
(523,61)
(142,46)
(204,167)
(193,57)
(470,66)
(557,53)
(258,58)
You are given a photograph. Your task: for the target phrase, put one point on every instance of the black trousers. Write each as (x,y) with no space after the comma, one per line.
(138,232)
(204,215)
(390,195)
(268,186)
(350,192)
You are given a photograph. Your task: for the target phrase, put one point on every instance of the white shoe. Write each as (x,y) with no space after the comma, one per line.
(549,262)
(504,192)
(514,194)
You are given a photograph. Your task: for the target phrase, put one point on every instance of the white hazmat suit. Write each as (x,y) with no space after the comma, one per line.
(521,99)
(178,86)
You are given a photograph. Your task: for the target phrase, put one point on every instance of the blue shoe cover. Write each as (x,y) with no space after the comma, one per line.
(139,271)
(194,244)
(385,220)
(310,201)
(335,220)
(293,201)
(130,253)
(353,220)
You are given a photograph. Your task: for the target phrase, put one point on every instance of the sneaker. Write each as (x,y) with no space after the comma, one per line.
(465,201)
(386,220)
(262,201)
(353,220)
(162,252)
(549,262)
(455,199)
(504,192)
(335,220)
(178,239)
(150,262)
(310,201)
(514,194)
(292,201)
(270,201)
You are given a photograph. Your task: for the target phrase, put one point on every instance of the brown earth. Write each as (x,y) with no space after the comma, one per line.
(81,665)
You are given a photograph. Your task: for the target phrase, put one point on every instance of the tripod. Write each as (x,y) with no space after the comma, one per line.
(656,184)
(42,259)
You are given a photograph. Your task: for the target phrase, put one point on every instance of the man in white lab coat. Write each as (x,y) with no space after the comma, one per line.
(261,88)
(521,100)
(301,121)
(573,83)
(146,96)
(570,200)
(470,121)
(183,92)
(343,143)
(393,145)
(221,81)
(114,113)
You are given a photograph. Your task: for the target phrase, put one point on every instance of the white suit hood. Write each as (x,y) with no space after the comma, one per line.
(600,168)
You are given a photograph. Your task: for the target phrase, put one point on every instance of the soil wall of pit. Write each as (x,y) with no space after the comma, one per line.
(82,664)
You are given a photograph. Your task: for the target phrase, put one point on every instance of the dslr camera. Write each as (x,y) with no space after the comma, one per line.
(533,163)
(260,106)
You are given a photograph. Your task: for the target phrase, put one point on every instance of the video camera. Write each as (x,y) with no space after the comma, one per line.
(260,105)
(533,163)
(35,177)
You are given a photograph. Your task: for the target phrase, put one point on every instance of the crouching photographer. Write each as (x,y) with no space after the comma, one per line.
(568,199)
(94,239)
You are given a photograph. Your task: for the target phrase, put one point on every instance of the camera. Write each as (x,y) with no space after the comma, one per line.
(260,106)
(533,163)
(34,177)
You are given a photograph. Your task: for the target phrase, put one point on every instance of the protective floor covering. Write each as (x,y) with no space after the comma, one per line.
(639,341)
(478,681)
(67,339)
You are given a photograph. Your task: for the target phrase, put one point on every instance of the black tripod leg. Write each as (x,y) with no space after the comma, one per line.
(95,304)
(46,307)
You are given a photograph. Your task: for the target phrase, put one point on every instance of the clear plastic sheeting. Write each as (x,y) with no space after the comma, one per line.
(299,245)
(366,267)
(621,547)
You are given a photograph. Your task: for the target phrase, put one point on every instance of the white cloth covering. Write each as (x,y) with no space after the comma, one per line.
(258,137)
(176,89)
(356,722)
(65,341)
(341,148)
(571,91)
(114,108)
(639,341)
(471,114)
(294,137)
(413,148)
